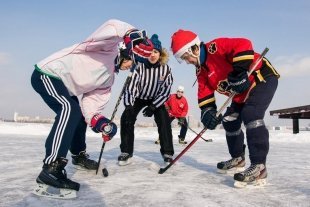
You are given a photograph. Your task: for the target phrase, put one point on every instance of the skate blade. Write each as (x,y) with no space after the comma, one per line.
(42,190)
(183,144)
(255,184)
(231,171)
(123,163)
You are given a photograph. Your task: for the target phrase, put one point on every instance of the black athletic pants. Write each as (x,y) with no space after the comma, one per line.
(68,130)
(163,123)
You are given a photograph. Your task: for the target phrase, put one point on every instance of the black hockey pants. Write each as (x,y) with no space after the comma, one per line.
(251,113)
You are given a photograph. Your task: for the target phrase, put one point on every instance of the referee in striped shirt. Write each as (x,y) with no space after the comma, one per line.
(149,88)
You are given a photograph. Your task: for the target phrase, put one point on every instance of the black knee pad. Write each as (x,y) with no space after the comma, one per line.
(231,120)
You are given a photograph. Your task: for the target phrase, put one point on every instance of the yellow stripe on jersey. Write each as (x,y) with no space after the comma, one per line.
(206,102)
(271,67)
(243,57)
(259,76)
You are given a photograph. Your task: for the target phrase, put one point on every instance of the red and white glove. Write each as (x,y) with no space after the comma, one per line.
(143,49)
(99,123)
(138,45)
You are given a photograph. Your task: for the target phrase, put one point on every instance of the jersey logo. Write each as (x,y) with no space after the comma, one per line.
(181,105)
(210,74)
(212,48)
(223,87)
(161,80)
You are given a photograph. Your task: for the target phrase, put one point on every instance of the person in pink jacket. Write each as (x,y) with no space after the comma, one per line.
(177,108)
(85,70)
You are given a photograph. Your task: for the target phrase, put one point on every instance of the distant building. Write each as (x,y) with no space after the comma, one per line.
(36,119)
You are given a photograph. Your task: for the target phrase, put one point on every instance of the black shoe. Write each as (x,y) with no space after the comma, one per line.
(182,140)
(124,158)
(167,158)
(55,175)
(83,160)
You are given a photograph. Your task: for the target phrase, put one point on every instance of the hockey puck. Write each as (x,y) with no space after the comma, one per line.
(105,172)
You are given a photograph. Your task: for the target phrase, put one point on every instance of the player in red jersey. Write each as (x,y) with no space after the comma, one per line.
(222,65)
(177,108)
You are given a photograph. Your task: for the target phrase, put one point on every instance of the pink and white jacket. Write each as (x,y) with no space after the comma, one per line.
(87,68)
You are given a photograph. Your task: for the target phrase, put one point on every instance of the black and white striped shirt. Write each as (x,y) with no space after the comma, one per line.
(149,82)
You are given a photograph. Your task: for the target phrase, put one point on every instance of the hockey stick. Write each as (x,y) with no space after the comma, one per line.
(206,140)
(252,68)
(114,112)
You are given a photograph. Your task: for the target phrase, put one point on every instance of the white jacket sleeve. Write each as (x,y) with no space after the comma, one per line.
(106,37)
(94,102)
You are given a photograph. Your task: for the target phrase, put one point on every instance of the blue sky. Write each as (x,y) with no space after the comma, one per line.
(32,30)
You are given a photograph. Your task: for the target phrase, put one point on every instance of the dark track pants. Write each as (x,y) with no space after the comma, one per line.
(251,114)
(163,123)
(68,130)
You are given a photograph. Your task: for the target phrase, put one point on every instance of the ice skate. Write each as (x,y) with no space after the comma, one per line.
(124,159)
(52,192)
(167,158)
(82,161)
(255,175)
(231,166)
(53,182)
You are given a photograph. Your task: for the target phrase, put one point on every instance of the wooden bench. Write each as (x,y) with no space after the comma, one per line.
(295,113)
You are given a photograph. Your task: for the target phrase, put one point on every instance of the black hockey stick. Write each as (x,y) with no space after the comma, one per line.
(206,140)
(252,68)
(113,114)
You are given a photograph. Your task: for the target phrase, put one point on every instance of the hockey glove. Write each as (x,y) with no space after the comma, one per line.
(209,118)
(182,121)
(101,124)
(149,111)
(138,45)
(239,82)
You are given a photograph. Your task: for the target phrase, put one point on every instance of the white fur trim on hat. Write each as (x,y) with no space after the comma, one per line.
(185,48)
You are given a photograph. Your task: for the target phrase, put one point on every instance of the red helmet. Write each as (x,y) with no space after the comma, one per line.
(182,41)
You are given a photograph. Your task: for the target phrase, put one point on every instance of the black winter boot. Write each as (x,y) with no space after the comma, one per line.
(182,140)
(82,159)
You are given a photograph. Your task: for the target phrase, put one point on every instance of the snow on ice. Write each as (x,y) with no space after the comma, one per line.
(192,181)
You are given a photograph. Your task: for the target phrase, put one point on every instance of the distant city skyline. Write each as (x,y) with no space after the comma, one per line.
(32,30)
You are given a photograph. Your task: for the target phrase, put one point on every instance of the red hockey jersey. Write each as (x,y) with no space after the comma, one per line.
(177,107)
(223,56)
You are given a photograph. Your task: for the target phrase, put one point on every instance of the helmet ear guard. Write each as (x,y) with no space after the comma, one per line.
(123,54)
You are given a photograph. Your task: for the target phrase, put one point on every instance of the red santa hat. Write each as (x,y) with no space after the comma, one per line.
(182,41)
